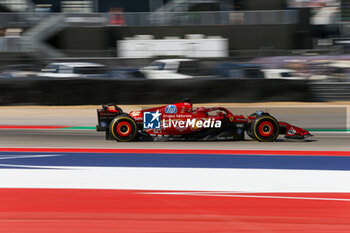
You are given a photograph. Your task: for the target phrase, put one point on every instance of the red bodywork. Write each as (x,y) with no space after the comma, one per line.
(185,111)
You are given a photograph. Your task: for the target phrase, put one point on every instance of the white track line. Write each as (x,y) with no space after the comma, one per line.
(178,179)
(214,194)
(32,156)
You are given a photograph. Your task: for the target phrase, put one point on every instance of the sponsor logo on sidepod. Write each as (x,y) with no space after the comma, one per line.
(171,109)
(151,120)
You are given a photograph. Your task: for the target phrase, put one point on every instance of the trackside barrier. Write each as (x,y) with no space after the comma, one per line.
(39,91)
(329,91)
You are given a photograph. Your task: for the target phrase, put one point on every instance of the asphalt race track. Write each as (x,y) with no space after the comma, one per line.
(70,179)
(93,139)
(82,120)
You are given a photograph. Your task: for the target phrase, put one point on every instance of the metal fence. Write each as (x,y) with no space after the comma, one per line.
(29,19)
(211,18)
(10,44)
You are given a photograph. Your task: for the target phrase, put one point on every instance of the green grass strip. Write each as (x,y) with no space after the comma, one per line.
(81,127)
(329,130)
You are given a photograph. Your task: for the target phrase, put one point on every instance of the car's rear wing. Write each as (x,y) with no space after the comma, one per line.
(106,115)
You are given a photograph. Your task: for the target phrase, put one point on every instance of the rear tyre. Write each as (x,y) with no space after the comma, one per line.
(265,129)
(123,128)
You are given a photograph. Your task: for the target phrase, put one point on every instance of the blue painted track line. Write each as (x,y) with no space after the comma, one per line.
(174,160)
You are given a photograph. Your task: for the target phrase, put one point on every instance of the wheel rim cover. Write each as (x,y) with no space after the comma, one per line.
(266,129)
(124,129)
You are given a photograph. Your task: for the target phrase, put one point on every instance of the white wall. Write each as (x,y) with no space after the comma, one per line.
(206,47)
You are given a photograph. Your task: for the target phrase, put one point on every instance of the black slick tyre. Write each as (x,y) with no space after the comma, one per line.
(123,128)
(265,129)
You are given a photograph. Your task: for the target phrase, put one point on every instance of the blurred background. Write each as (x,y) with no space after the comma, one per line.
(135,52)
(60,175)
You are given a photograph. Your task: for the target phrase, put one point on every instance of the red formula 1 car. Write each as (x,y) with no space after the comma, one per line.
(182,121)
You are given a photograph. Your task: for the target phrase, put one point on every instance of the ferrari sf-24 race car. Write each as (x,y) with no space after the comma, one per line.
(182,121)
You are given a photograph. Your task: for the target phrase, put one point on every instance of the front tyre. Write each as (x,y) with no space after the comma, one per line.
(265,129)
(123,128)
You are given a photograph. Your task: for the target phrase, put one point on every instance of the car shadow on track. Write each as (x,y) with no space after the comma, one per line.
(296,140)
